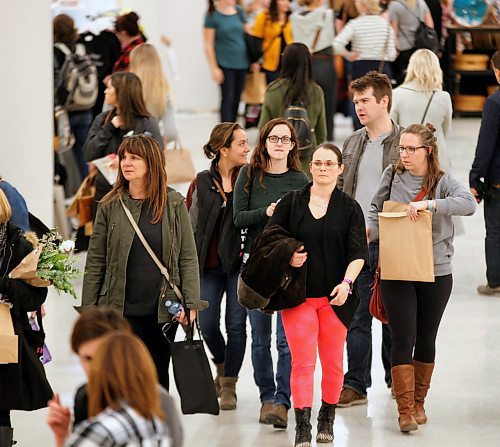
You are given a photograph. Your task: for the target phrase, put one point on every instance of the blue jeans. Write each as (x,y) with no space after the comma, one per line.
(359,336)
(270,391)
(231,90)
(80,123)
(492,241)
(214,282)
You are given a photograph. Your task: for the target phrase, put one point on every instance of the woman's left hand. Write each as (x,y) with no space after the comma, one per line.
(340,294)
(182,318)
(415,207)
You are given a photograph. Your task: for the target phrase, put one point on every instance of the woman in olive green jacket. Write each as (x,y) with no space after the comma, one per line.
(120,272)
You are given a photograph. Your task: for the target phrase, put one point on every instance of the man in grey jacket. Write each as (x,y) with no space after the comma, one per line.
(366,153)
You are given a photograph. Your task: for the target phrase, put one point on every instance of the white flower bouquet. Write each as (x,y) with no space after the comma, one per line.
(50,263)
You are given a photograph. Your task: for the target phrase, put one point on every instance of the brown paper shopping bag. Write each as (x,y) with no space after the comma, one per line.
(405,246)
(8,339)
(254,88)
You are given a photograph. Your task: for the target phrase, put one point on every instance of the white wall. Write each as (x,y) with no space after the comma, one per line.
(26,158)
(182,21)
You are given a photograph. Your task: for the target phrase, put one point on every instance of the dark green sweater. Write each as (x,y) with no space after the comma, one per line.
(249,209)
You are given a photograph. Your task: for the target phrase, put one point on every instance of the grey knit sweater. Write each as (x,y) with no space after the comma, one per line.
(452,199)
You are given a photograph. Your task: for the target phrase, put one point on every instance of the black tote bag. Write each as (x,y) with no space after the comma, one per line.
(193,376)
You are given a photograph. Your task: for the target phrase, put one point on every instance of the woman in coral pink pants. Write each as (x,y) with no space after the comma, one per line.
(331,227)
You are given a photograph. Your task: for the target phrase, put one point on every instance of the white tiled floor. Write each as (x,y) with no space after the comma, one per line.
(463,404)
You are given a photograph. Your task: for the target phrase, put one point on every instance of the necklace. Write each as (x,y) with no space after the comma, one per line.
(318,205)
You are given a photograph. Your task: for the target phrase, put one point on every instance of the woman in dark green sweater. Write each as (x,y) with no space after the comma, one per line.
(273,171)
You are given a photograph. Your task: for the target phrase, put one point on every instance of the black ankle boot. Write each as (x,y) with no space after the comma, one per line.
(6,434)
(326,417)
(303,427)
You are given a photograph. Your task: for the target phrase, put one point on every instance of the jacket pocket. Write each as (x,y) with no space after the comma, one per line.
(105,285)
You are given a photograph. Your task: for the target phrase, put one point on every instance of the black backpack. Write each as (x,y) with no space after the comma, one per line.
(79,83)
(298,117)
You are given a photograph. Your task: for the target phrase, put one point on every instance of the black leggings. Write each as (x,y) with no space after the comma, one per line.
(149,331)
(414,310)
(5,418)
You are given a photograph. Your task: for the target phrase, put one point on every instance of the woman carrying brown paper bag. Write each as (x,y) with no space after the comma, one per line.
(414,309)
(23,385)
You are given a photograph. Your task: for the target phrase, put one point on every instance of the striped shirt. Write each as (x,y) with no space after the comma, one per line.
(120,428)
(368,36)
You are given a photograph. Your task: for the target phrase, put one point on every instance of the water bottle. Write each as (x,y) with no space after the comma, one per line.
(173,307)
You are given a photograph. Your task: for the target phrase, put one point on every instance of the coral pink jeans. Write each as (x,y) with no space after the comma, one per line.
(310,327)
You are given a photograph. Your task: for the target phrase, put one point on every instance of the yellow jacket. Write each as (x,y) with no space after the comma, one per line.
(271,33)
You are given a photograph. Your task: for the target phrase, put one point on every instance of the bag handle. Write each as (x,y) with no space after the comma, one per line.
(384,53)
(221,191)
(318,32)
(427,108)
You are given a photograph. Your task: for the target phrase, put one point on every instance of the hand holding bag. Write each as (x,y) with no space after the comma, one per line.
(192,374)
(376,305)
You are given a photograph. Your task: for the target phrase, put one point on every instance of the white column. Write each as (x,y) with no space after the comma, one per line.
(183,21)
(26,129)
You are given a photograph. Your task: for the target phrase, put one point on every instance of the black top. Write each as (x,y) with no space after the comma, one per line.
(310,232)
(343,238)
(144,278)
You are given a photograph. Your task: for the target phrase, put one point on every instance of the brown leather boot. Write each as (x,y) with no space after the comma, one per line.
(403,379)
(423,374)
(220,374)
(228,393)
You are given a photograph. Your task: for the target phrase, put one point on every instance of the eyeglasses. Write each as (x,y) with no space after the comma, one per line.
(317,164)
(410,150)
(274,139)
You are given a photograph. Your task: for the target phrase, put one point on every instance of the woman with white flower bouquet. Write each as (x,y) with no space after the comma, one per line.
(23,385)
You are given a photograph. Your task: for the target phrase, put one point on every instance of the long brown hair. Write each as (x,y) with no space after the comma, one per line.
(122,369)
(260,158)
(428,139)
(148,149)
(129,96)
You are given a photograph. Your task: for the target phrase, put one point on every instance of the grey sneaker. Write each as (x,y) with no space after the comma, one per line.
(487,290)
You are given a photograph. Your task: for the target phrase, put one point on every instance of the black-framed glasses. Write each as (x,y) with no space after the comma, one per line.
(410,150)
(318,164)
(274,139)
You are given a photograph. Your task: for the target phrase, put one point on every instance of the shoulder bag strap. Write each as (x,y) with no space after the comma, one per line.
(221,191)
(162,268)
(384,52)
(318,32)
(421,194)
(427,108)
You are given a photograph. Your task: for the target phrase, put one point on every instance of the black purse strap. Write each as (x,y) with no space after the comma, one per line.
(427,108)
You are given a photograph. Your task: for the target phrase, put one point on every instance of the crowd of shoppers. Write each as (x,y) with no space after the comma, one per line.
(124,334)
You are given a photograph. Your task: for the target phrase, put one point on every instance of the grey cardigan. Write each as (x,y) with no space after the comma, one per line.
(452,199)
